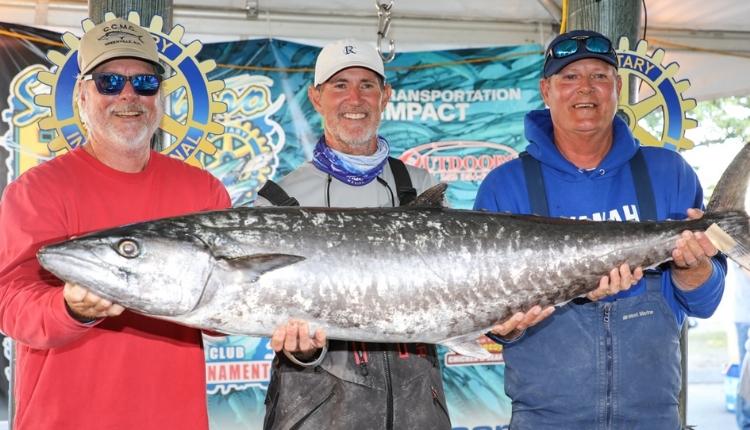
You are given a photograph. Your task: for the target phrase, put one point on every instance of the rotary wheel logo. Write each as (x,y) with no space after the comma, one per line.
(188,119)
(663,105)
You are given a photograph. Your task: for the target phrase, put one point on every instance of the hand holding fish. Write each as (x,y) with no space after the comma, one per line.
(691,258)
(294,337)
(619,279)
(85,306)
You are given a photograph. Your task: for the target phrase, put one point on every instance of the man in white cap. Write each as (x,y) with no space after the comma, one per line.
(83,361)
(351,384)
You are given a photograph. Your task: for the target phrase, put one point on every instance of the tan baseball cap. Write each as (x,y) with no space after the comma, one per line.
(342,54)
(118,38)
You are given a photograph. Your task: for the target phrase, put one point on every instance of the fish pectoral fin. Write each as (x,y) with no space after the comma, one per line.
(467,345)
(262,263)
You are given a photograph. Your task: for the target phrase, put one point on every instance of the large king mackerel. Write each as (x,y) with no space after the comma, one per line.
(417,274)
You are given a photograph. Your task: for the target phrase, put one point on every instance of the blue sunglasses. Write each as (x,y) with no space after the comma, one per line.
(568,47)
(111,84)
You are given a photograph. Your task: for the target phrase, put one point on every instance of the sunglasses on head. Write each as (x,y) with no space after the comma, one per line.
(111,84)
(568,47)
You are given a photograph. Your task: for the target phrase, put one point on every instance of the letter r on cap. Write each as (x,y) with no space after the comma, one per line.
(349,49)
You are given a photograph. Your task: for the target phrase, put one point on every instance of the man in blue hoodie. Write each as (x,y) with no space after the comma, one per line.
(610,360)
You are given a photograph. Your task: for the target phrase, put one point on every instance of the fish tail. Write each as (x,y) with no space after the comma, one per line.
(732,234)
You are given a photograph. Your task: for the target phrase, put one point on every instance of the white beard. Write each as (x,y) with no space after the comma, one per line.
(136,137)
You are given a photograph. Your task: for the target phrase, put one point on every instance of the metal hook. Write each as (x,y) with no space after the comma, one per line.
(387,58)
(384,26)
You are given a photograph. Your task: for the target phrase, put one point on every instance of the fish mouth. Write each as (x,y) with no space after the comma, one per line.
(56,261)
(66,267)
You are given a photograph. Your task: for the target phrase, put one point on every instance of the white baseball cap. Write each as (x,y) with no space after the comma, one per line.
(339,55)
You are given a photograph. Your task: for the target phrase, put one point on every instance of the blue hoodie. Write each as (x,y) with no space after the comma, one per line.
(606,193)
(615,363)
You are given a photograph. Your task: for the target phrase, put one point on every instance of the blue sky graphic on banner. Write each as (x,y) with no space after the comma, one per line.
(457,113)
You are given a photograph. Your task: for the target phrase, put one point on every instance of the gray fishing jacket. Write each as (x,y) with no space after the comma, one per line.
(357,385)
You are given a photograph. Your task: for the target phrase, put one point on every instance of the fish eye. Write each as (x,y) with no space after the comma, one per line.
(128,248)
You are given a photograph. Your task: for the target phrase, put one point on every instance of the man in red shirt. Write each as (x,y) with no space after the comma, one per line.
(83,361)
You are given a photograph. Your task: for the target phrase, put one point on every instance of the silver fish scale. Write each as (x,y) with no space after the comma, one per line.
(469,270)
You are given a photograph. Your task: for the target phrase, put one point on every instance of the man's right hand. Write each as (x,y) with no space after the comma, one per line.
(85,306)
(294,337)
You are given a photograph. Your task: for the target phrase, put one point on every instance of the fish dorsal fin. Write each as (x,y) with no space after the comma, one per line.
(729,193)
(262,263)
(432,197)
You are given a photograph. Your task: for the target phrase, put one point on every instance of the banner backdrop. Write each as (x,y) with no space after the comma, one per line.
(457,113)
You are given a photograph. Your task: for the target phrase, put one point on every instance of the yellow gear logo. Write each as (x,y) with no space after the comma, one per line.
(664,97)
(189,117)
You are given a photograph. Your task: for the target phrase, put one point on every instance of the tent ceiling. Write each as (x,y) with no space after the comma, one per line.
(710,39)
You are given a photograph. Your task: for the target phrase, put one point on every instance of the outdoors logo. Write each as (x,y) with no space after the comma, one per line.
(186,125)
(462,163)
(459,160)
(658,118)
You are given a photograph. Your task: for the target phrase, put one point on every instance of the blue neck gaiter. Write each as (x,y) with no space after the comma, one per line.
(356,170)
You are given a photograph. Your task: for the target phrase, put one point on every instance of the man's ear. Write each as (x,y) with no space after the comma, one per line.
(80,94)
(544,89)
(387,91)
(313,94)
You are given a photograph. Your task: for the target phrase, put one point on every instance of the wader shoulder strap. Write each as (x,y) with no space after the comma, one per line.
(272,192)
(532,172)
(644,193)
(404,189)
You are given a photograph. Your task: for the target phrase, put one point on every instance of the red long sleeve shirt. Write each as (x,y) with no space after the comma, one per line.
(126,372)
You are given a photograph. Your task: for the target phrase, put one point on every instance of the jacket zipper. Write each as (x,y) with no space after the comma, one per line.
(388,392)
(609,365)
